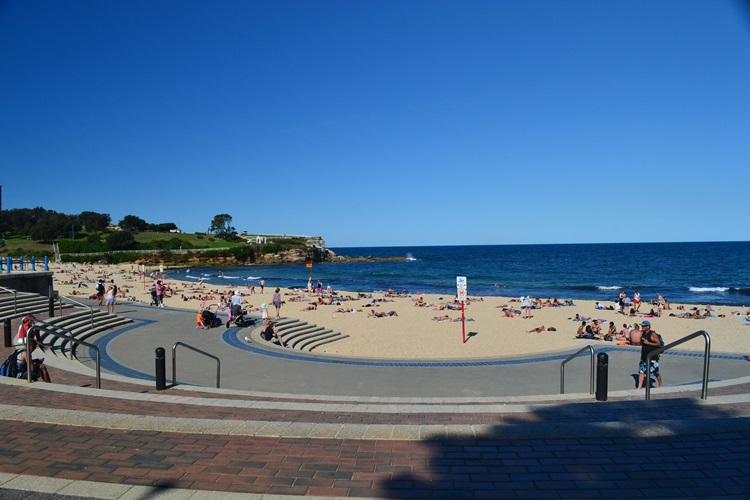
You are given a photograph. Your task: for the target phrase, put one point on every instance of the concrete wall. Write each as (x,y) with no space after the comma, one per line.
(23,281)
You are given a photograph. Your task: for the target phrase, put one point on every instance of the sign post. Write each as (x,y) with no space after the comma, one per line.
(461,294)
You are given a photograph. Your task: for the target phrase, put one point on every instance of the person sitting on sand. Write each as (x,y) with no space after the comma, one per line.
(611,333)
(585,332)
(596,328)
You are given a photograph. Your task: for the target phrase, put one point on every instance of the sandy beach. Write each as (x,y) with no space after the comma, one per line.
(413,332)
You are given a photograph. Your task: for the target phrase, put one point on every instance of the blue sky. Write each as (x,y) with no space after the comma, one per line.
(378,123)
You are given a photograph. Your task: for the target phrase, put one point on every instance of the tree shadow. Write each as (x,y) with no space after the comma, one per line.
(620,449)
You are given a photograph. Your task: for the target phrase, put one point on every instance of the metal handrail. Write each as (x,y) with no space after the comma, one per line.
(571,357)
(44,326)
(90,308)
(174,362)
(706,359)
(15,298)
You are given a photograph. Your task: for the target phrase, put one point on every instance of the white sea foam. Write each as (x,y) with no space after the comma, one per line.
(410,257)
(609,287)
(705,289)
(253,278)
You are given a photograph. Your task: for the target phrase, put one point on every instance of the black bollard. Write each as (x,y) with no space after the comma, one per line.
(8,334)
(51,295)
(602,369)
(161,370)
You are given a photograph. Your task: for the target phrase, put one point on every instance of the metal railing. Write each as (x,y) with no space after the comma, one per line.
(15,297)
(174,362)
(75,302)
(570,358)
(48,328)
(706,359)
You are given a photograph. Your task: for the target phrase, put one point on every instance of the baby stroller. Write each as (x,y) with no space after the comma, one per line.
(209,319)
(238,317)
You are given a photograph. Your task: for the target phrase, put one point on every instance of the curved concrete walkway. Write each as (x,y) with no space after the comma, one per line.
(331,427)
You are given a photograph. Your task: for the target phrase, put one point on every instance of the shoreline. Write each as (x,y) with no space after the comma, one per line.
(413,332)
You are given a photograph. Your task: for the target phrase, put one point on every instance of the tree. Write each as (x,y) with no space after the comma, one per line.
(121,240)
(221,226)
(94,222)
(133,224)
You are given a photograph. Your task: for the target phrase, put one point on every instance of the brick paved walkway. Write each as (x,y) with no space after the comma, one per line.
(130,441)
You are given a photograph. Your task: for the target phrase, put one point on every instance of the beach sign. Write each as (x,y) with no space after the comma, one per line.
(461,295)
(461,288)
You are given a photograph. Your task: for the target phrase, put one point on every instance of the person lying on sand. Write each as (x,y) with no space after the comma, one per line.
(374,314)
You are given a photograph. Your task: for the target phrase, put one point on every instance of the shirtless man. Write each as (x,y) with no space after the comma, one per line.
(636,335)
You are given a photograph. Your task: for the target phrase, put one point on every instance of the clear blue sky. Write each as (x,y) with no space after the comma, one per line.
(375,123)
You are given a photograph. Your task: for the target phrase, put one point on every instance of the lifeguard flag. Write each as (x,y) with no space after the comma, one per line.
(308,264)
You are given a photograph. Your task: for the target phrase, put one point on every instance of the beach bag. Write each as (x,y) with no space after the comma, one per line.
(9,368)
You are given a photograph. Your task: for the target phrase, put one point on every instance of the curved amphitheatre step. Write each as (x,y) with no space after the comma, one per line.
(79,325)
(24,304)
(300,335)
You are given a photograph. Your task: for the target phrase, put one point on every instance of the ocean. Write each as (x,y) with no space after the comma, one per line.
(693,273)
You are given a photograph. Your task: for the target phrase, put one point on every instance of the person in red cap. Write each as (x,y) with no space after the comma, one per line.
(26,330)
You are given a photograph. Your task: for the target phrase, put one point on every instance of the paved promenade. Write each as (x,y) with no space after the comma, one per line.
(495,430)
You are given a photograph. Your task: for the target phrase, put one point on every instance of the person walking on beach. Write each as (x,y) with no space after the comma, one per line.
(637,300)
(277,302)
(526,304)
(650,341)
(262,285)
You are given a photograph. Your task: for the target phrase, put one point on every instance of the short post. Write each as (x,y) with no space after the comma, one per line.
(46,263)
(161,369)
(9,261)
(602,369)
(33,262)
(8,333)
(51,302)
(20,263)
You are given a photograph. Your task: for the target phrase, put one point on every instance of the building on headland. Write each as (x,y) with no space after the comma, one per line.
(262,239)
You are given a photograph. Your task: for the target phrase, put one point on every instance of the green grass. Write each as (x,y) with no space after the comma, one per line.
(204,242)
(23,245)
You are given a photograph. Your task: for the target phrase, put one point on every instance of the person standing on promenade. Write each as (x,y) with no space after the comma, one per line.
(114,287)
(159,294)
(649,343)
(110,298)
(100,292)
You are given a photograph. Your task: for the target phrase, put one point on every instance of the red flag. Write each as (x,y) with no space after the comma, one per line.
(308,263)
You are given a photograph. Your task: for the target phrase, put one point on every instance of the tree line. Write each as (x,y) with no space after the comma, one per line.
(46,226)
